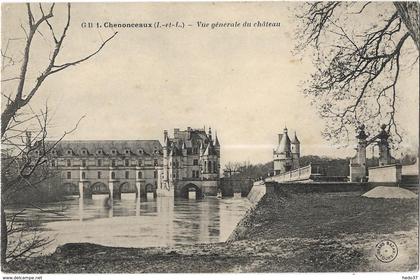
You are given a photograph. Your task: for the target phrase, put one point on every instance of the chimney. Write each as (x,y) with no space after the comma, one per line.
(165,135)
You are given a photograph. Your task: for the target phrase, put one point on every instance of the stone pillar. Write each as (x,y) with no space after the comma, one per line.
(111,189)
(358,167)
(384,154)
(138,204)
(138,187)
(385,157)
(81,209)
(81,191)
(84,191)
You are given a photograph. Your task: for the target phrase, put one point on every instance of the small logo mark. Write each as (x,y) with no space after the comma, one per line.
(386,251)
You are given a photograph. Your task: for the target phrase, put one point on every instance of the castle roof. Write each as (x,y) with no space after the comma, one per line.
(295,139)
(210,151)
(284,145)
(216,142)
(175,151)
(167,143)
(107,147)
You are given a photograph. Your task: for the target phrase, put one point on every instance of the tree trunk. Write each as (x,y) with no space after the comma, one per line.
(409,14)
(3,235)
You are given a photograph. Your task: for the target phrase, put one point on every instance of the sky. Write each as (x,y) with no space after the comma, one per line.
(244,83)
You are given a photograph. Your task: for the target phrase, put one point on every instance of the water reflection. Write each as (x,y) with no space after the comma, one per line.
(142,222)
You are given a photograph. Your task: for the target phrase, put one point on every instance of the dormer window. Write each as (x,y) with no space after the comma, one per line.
(155,150)
(37,153)
(99,152)
(140,151)
(113,152)
(84,152)
(68,152)
(127,151)
(54,152)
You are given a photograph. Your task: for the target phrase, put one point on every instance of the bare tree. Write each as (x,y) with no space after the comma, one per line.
(24,163)
(231,168)
(358,47)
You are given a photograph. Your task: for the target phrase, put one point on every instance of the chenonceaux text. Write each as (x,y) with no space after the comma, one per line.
(127,25)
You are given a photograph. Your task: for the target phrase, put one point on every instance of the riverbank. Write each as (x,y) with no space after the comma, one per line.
(285,232)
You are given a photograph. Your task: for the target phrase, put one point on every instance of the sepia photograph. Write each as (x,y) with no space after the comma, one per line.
(209,137)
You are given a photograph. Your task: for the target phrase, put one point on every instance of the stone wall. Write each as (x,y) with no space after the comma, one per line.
(386,173)
(230,186)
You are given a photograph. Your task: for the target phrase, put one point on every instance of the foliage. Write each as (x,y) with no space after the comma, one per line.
(359,48)
(25,155)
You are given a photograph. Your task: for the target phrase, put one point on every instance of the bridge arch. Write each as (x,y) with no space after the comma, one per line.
(191,187)
(127,187)
(150,188)
(70,188)
(99,188)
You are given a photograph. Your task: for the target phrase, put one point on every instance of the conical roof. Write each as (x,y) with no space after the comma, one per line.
(216,142)
(210,151)
(295,140)
(167,142)
(284,145)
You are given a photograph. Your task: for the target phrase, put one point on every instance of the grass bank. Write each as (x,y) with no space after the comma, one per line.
(285,232)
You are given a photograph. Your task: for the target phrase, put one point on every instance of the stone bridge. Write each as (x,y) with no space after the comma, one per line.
(87,188)
(200,187)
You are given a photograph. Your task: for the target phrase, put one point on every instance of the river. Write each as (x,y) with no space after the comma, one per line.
(135,222)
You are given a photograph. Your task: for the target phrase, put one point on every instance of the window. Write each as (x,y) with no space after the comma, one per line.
(195,150)
(37,153)
(214,167)
(140,175)
(140,151)
(127,174)
(84,152)
(99,152)
(54,152)
(83,162)
(155,162)
(113,151)
(99,174)
(69,152)
(113,162)
(127,152)
(127,162)
(68,163)
(68,175)
(140,162)
(112,175)
(99,162)
(83,175)
(209,167)
(155,174)
(53,163)
(195,162)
